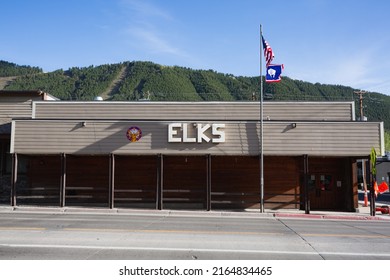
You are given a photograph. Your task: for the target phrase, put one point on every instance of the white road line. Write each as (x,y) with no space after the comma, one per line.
(87,247)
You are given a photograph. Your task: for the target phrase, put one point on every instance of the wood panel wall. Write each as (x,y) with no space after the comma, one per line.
(87,180)
(235,182)
(135,181)
(309,111)
(185,182)
(281,182)
(39,180)
(242,138)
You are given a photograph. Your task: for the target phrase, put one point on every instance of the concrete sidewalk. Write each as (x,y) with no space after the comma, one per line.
(362,213)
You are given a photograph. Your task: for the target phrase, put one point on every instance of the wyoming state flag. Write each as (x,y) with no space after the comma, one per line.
(273,73)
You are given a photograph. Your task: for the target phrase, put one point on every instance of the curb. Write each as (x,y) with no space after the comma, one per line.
(330,217)
(221,214)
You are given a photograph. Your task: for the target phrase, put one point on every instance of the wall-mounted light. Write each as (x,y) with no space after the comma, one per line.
(84,124)
(293,125)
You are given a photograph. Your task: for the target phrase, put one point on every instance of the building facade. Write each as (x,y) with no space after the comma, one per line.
(189,155)
(13,104)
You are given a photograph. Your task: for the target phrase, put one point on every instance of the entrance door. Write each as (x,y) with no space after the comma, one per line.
(327,182)
(324,191)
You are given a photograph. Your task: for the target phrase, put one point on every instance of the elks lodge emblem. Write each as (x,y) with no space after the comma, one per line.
(134,133)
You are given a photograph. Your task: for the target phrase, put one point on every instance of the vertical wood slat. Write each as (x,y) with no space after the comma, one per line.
(208,191)
(14,178)
(63,180)
(111,181)
(354,180)
(305,183)
(160,177)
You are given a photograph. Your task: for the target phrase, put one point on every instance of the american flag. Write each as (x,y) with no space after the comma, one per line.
(268,53)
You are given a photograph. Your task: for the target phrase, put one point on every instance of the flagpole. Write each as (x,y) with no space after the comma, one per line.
(261,126)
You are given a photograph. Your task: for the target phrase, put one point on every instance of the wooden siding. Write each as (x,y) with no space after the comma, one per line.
(242,138)
(184,183)
(323,139)
(235,182)
(281,182)
(9,110)
(135,181)
(17,104)
(87,180)
(39,180)
(309,111)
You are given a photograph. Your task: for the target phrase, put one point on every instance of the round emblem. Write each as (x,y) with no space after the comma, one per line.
(134,133)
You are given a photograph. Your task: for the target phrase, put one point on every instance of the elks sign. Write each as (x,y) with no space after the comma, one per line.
(196,133)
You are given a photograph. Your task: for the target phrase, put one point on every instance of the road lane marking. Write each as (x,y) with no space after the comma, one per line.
(174,231)
(23,228)
(192,250)
(368,236)
(128,248)
(229,232)
(345,235)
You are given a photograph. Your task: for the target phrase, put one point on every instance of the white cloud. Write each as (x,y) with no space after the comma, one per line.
(141,8)
(153,42)
(357,68)
(147,26)
(352,69)
(363,70)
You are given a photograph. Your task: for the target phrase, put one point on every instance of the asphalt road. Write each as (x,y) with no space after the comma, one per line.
(75,236)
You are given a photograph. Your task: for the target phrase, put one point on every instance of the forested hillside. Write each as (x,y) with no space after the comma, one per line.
(138,80)
(8,69)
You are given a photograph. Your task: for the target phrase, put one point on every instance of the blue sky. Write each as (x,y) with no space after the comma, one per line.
(327,41)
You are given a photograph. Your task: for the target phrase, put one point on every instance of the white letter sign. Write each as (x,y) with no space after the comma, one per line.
(217,132)
(201,131)
(172,130)
(185,133)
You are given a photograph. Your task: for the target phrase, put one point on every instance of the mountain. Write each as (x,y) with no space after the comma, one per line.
(8,69)
(139,80)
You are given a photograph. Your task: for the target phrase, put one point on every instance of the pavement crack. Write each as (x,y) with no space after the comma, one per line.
(303,238)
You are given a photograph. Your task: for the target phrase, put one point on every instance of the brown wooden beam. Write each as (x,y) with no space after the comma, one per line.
(208,190)
(14,178)
(112,181)
(2,158)
(305,183)
(63,180)
(160,182)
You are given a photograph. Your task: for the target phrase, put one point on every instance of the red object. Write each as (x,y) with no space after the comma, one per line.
(268,53)
(383,209)
(383,187)
(365,199)
(376,188)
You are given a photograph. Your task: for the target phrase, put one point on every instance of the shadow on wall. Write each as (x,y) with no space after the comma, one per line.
(123,138)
